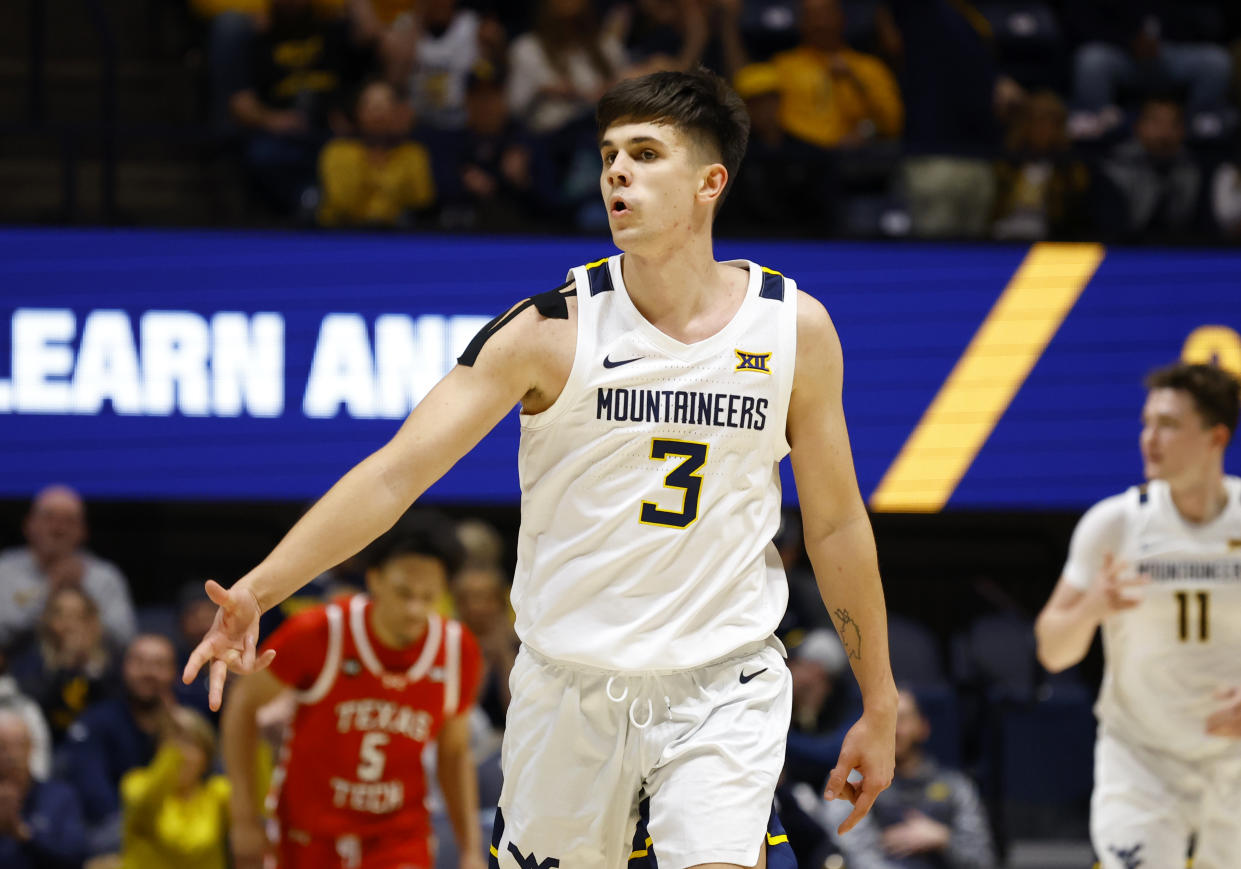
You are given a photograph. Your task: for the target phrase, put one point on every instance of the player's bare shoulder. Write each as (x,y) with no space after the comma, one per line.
(818,345)
(533,341)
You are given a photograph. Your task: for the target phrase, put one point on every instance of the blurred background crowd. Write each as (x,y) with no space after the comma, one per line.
(1063,119)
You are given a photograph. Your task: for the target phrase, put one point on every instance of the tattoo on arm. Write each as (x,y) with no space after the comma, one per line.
(850,633)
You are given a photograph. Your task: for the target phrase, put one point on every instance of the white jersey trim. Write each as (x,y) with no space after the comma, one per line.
(452,668)
(366,652)
(331,664)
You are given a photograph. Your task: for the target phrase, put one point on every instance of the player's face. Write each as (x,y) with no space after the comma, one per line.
(655,183)
(1176,444)
(405,591)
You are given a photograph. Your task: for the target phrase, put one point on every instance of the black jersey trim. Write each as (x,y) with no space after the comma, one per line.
(550,304)
(773,286)
(600,276)
(1143,494)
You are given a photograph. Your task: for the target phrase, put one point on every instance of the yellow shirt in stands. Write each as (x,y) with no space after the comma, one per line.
(823,108)
(163,830)
(357,189)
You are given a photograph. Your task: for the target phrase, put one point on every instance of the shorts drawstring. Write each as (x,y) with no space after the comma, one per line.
(650,714)
(608,689)
(633,705)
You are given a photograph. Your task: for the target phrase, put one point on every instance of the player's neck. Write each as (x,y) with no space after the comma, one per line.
(675,288)
(390,640)
(1201,501)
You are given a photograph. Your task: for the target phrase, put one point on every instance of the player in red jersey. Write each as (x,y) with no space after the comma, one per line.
(377,678)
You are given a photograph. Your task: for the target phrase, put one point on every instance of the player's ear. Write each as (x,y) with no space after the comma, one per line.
(373,578)
(1220,436)
(712,182)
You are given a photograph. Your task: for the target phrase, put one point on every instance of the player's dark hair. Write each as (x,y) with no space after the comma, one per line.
(1216,393)
(420,533)
(700,103)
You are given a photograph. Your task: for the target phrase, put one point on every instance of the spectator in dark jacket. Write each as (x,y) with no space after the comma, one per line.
(40,821)
(490,169)
(114,736)
(1145,47)
(300,66)
(931,816)
(1040,186)
(70,665)
(1154,187)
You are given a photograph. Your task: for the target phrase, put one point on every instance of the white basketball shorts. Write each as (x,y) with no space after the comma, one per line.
(1146,803)
(582,747)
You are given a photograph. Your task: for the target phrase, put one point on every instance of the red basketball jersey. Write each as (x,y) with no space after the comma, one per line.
(352,759)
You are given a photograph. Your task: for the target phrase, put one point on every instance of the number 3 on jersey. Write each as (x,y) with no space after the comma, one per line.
(684,476)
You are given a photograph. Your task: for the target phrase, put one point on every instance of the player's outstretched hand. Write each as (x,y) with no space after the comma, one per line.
(869,748)
(231,642)
(1226,721)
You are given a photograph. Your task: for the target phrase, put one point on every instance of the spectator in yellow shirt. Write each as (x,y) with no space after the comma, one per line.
(378,178)
(176,814)
(831,95)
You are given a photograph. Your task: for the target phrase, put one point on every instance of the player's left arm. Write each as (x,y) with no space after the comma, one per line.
(458,778)
(841,547)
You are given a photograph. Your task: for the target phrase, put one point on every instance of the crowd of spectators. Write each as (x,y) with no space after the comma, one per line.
(1107,119)
(107,760)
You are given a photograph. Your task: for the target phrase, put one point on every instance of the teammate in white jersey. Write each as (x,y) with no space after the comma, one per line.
(1159,568)
(659,391)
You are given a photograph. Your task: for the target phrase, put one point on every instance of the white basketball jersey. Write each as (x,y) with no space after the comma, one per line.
(1166,657)
(651,488)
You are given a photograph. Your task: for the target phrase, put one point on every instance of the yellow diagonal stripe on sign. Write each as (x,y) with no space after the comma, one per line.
(982,384)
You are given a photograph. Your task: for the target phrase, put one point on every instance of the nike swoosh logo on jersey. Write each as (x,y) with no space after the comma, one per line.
(746,677)
(608,363)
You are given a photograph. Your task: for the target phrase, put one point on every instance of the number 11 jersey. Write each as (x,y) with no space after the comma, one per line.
(1166,657)
(651,487)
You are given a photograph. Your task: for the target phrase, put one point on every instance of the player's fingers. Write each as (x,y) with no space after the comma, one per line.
(200,656)
(247,655)
(265,659)
(1227,695)
(861,806)
(215,690)
(839,776)
(217,592)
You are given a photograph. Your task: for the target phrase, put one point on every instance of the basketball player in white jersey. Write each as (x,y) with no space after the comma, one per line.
(1159,568)
(659,391)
